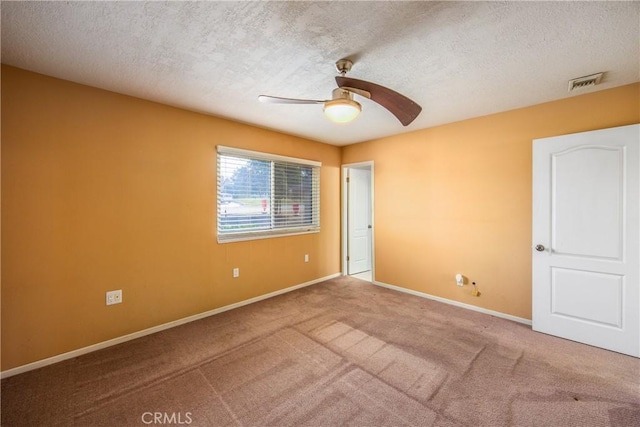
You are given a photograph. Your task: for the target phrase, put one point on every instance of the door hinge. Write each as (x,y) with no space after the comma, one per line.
(347,257)
(347,180)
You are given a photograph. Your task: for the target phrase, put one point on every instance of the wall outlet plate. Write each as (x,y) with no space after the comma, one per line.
(114,297)
(306,257)
(236,272)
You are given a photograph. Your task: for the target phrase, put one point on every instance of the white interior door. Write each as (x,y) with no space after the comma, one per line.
(586,257)
(359,220)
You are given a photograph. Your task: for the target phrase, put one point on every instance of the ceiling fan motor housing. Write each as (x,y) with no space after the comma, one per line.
(339,93)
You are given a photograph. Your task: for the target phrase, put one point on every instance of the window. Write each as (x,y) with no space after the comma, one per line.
(263,195)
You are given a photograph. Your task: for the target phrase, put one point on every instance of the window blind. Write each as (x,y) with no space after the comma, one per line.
(264,195)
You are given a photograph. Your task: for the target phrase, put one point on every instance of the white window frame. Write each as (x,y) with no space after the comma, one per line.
(314,227)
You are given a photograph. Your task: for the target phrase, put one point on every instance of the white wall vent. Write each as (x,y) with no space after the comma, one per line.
(584,82)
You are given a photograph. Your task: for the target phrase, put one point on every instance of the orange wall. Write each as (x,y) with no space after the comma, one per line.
(102,191)
(457,198)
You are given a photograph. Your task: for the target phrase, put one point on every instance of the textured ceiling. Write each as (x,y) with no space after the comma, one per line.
(456,59)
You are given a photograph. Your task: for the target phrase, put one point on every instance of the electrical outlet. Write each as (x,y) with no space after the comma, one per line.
(114,297)
(236,272)
(306,257)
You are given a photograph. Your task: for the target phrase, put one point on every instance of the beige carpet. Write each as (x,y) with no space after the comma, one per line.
(343,352)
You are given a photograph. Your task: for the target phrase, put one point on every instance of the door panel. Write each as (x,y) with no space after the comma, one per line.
(359,221)
(587,296)
(586,228)
(600,173)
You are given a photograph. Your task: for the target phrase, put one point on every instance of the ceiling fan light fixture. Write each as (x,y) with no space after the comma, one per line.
(342,110)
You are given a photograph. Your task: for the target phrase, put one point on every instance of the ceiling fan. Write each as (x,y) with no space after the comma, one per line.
(342,108)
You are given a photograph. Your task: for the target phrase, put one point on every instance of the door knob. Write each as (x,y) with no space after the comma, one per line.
(539,248)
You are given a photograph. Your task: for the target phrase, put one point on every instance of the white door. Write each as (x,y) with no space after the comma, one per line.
(586,258)
(359,220)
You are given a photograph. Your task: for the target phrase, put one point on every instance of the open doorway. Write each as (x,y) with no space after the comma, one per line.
(357,221)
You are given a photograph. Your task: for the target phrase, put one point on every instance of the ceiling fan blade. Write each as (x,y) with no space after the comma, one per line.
(399,105)
(279,100)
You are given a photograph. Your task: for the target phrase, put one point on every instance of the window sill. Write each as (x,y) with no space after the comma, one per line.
(241,237)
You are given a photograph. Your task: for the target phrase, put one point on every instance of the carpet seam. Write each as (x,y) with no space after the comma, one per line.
(219,395)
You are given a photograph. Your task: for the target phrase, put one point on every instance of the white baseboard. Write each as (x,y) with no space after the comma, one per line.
(456,303)
(152,330)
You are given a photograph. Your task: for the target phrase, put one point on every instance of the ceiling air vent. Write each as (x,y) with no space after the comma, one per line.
(584,82)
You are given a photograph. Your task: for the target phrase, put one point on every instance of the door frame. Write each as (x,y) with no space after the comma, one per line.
(368,165)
